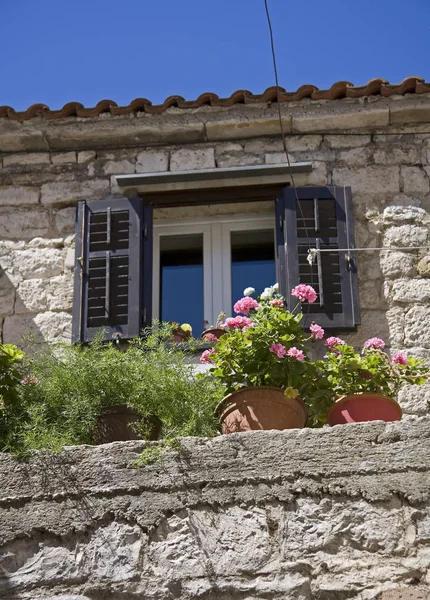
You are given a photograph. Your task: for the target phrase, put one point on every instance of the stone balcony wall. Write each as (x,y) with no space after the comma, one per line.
(338,513)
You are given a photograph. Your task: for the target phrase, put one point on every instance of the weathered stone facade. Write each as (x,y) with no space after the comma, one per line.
(329,514)
(379,146)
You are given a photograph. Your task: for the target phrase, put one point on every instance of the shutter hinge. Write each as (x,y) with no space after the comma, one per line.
(144,316)
(145,231)
(281,222)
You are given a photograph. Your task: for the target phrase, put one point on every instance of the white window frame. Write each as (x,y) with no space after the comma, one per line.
(216,256)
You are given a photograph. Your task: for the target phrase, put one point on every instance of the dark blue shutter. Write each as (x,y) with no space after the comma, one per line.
(322,218)
(113,269)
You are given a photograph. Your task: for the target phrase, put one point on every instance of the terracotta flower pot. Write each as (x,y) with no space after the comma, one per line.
(216,331)
(114,425)
(357,408)
(254,408)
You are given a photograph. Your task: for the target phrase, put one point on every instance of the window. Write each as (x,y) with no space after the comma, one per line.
(129,270)
(202,266)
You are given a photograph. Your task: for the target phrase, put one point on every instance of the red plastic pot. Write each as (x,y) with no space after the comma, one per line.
(256,408)
(357,408)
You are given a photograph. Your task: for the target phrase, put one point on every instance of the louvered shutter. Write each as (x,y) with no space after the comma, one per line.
(322,218)
(113,268)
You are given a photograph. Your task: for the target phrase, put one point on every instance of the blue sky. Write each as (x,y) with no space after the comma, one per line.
(53,51)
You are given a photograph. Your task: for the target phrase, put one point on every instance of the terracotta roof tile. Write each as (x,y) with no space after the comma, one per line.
(339,90)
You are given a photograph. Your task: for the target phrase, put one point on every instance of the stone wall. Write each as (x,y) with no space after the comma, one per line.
(379,146)
(337,513)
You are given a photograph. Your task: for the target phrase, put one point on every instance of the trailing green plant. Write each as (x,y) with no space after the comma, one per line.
(65,387)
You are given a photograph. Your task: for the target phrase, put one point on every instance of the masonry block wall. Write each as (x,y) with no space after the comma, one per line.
(336,513)
(379,146)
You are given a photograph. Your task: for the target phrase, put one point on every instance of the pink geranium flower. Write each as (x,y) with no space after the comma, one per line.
(399,358)
(210,337)
(305,293)
(374,343)
(206,356)
(277,302)
(296,353)
(278,349)
(238,322)
(316,331)
(331,342)
(30,379)
(245,305)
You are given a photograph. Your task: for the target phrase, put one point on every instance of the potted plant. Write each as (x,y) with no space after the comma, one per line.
(364,385)
(180,332)
(262,361)
(98,393)
(212,333)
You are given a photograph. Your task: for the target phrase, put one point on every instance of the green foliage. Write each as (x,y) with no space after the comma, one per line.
(66,386)
(10,376)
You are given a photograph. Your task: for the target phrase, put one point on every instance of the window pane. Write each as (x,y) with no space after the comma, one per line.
(252,261)
(181,281)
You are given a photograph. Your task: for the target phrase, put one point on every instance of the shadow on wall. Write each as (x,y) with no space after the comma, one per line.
(36,292)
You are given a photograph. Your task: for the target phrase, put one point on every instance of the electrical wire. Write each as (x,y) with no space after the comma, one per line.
(284,144)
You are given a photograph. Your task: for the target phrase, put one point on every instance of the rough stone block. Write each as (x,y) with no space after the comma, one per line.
(415,180)
(408,291)
(318,175)
(72,191)
(278,158)
(415,399)
(38,262)
(39,242)
(118,167)
(86,156)
(37,158)
(406,235)
(347,141)
(188,159)
(18,196)
(263,145)
(370,180)
(397,155)
(59,292)
(64,220)
(69,261)
(398,264)
(30,297)
(21,224)
(239,160)
(417,326)
(62,158)
(152,161)
(400,214)
(7,296)
(395,318)
(228,147)
(46,326)
(424,266)
(356,157)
